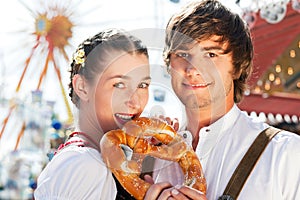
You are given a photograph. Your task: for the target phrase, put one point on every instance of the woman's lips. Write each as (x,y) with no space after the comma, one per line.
(123,118)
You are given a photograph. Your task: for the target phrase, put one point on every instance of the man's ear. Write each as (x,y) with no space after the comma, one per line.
(237,74)
(80,87)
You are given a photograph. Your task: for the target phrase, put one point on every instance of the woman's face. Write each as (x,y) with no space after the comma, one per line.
(121,92)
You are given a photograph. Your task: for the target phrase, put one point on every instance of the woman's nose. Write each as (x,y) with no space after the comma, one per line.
(133,101)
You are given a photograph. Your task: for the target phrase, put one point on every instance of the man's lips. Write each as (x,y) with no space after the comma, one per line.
(196,85)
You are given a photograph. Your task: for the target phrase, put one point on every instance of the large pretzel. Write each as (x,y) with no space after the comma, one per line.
(148,136)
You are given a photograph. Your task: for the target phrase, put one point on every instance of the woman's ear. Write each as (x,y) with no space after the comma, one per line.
(80,87)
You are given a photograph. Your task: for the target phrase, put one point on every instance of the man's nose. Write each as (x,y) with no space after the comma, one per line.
(192,71)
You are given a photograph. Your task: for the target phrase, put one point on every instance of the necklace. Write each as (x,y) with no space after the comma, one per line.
(79,143)
(89,142)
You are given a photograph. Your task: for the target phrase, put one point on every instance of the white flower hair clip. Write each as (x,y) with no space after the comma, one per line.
(79,57)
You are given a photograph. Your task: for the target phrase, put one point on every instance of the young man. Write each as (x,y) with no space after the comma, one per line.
(209,56)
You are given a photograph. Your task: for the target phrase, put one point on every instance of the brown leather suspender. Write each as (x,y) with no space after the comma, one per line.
(247,164)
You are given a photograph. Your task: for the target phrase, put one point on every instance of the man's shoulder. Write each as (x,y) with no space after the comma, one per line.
(285,137)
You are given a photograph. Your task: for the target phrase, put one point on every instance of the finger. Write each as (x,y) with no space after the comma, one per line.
(175,124)
(162,117)
(168,120)
(148,179)
(191,192)
(171,198)
(165,195)
(157,189)
(176,194)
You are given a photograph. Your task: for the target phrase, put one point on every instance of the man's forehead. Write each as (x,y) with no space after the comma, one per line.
(216,42)
(186,46)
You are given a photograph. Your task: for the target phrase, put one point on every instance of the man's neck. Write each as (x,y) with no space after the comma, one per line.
(202,117)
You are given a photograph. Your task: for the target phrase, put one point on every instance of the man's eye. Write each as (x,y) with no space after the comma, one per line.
(211,55)
(144,85)
(119,85)
(182,54)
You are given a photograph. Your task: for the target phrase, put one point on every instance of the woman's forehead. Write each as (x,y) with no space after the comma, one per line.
(128,64)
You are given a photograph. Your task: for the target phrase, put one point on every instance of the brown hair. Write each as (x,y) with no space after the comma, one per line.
(96,49)
(204,19)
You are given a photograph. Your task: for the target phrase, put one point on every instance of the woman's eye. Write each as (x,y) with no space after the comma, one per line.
(143,85)
(119,85)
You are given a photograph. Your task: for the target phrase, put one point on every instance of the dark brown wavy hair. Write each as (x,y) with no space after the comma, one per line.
(203,19)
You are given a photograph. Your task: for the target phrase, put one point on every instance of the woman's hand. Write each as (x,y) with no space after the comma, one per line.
(159,191)
(185,192)
(165,191)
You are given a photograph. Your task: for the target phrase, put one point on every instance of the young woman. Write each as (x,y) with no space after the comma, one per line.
(110,76)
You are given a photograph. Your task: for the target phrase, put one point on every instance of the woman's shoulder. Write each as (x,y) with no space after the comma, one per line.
(75,157)
(71,168)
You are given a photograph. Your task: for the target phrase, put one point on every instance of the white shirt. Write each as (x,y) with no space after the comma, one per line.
(223,144)
(76,173)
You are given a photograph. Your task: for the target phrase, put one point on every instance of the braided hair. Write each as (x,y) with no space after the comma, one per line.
(90,56)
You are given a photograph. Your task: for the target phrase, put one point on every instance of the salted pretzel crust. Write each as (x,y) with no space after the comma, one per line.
(148,136)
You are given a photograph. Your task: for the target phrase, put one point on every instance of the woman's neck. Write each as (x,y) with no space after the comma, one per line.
(88,139)
(90,131)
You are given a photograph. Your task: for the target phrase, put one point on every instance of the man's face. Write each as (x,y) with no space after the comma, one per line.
(202,74)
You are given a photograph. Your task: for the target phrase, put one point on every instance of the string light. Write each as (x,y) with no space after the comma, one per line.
(267,86)
(290,71)
(277,81)
(298,84)
(271,77)
(278,68)
(292,53)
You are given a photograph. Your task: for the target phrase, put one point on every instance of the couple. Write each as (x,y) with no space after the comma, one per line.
(208,53)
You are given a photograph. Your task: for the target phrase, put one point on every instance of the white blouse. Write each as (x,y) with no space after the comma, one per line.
(76,173)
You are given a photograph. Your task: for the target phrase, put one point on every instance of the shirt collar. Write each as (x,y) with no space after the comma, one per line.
(210,135)
(222,124)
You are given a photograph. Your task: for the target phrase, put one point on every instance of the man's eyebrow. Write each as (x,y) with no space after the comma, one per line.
(215,48)
(212,48)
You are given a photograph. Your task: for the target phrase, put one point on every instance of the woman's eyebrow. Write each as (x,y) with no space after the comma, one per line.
(119,76)
(127,77)
(147,78)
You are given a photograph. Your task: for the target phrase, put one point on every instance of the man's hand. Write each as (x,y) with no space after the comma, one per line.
(172,122)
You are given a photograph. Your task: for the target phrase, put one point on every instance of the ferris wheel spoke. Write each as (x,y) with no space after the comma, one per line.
(69,112)
(26,65)
(20,135)
(6,119)
(44,72)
